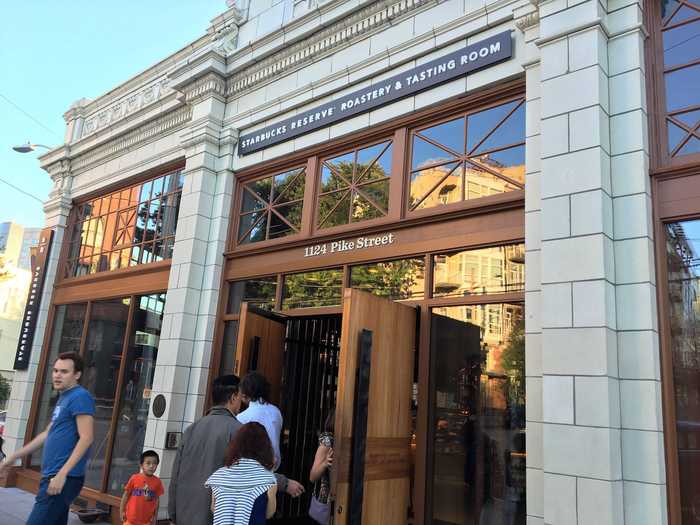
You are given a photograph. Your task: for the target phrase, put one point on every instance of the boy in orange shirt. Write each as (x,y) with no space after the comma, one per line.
(139,505)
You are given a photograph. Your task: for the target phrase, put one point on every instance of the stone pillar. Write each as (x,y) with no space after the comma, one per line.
(185,346)
(56,211)
(595,312)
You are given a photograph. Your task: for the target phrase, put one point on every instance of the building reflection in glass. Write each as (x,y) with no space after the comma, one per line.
(683,263)
(479,414)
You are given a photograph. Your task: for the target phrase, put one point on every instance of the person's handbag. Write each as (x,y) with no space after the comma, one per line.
(319,512)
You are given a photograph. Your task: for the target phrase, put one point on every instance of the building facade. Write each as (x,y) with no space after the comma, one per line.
(524,174)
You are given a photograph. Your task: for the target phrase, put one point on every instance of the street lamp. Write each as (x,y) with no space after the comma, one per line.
(26,148)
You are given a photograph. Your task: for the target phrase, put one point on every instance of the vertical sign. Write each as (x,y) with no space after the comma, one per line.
(31,309)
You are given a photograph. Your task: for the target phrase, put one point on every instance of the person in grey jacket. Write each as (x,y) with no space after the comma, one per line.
(202,451)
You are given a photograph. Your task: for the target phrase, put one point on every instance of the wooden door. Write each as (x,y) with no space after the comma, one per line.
(384,487)
(260,346)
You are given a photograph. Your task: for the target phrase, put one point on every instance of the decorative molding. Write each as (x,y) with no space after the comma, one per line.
(150,131)
(528,21)
(223,30)
(340,33)
(210,84)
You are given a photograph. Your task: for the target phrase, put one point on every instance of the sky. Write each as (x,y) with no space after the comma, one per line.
(53,53)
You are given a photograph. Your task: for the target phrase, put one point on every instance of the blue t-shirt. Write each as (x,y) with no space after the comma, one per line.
(63,434)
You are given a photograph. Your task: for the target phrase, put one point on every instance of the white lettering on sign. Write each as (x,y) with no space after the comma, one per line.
(344,245)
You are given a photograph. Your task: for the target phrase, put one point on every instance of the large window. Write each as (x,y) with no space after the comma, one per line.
(112,357)
(683,263)
(135,225)
(468,157)
(680,35)
(271,207)
(355,186)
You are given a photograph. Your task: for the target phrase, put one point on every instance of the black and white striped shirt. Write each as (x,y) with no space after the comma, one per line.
(236,488)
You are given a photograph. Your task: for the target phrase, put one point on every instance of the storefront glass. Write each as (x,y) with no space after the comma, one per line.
(271,207)
(313,289)
(135,225)
(102,356)
(137,382)
(473,156)
(489,270)
(401,279)
(68,323)
(478,435)
(260,291)
(683,263)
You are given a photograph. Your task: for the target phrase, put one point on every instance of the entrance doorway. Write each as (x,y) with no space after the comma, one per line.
(362,364)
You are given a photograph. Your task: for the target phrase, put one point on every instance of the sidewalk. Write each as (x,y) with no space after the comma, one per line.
(16,504)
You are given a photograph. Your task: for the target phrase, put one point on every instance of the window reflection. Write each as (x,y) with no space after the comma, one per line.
(683,262)
(125,228)
(103,356)
(259,291)
(470,157)
(135,400)
(681,54)
(271,207)
(488,270)
(401,279)
(355,186)
(313,289)
(479,414)
(68,323)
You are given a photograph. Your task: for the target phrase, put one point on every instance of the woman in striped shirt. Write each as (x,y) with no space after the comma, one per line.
(244,490)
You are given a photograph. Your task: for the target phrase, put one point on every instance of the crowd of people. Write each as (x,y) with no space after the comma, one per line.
(225,469)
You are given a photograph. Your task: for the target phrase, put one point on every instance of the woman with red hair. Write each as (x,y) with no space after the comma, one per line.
(244,490)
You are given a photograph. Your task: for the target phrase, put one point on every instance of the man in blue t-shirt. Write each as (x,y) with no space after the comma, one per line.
(66,443)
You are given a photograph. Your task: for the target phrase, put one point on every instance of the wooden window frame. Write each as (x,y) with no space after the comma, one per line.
(397,130)
(62,278)
(42,369)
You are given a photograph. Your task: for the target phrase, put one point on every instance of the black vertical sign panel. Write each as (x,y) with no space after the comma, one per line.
(31,309)
(359,429)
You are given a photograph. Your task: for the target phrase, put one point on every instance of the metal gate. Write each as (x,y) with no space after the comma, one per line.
(309,384)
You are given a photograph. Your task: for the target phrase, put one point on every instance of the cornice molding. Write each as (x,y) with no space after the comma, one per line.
(337,34)
(146,133)
(223,31)
(527,21)
(211,84)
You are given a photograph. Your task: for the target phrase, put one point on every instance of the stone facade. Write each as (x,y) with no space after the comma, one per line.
(594,429)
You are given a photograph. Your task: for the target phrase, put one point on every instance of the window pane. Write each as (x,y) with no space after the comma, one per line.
(488,270)
(378,192)
(331,181)
(479,427)
(136,390)
(436,186)
(363,209)
(103,355)
(289,186)
(343,165)
(682,249)
(426,154)
(334,209)
(65,337)
(366,158)
(401,279)
(449,134)
(313,289)
(291,212)
(379,169)
(251,202)
(682,44)
(683,88)
(480,124)
(247,221)
(260,292)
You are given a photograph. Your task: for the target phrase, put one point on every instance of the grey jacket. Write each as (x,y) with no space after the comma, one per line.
(201,452)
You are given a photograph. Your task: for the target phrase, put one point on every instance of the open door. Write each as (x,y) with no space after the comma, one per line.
(371,481)
(260,346)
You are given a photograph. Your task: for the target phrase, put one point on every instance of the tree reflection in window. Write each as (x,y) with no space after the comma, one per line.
(680,28)
(271,207)
(472,156)
(355,186)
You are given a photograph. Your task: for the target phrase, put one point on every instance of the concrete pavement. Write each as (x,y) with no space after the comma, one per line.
(16,504)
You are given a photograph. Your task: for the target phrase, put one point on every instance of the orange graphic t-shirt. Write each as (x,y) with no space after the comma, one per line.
(143,498)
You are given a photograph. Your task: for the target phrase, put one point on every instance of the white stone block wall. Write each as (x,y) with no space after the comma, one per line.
(592,341)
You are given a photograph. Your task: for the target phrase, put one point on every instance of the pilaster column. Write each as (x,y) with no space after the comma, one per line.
(56,211)
(601,429)
(185,346)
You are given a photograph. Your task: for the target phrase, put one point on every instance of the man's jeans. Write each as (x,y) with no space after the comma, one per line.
(53,510)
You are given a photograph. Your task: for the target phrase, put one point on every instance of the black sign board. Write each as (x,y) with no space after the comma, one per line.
(31,309)
(485,53)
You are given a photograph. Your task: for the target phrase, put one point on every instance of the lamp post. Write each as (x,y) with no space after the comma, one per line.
(26,148)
